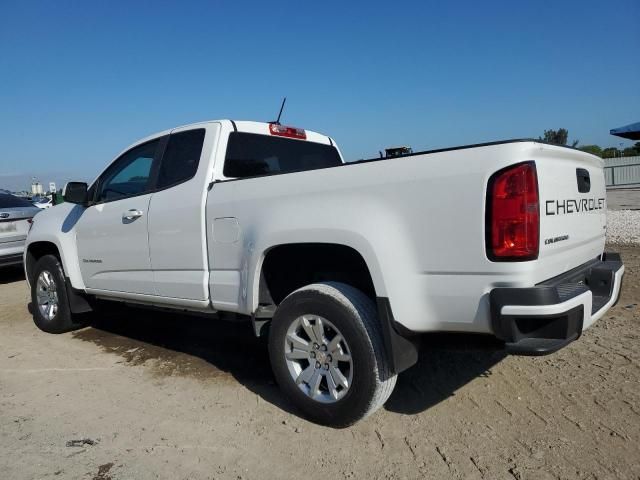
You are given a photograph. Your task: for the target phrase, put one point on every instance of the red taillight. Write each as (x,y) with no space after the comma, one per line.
(284,131)
(513,214)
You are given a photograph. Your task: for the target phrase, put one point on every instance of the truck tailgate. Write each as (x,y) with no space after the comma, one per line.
(572,207)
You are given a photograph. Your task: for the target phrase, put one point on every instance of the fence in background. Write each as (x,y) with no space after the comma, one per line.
(622,171)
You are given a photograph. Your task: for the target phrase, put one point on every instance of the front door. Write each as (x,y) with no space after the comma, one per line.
(112,237)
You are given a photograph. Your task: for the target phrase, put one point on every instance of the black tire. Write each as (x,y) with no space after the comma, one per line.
(63,320)
(355,316)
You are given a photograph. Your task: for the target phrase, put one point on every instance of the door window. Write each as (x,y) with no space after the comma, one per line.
(181,157)
(130,175)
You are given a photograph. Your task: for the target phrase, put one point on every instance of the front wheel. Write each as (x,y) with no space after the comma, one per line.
(49,302)
(327,353)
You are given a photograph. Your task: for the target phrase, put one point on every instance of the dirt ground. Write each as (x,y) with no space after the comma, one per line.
(143,395)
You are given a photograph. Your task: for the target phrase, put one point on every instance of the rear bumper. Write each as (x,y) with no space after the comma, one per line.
(544,318)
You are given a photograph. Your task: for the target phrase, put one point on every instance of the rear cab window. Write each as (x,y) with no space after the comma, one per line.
(251,155)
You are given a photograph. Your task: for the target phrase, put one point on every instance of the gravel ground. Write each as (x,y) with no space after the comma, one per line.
(623,227)
(142,395)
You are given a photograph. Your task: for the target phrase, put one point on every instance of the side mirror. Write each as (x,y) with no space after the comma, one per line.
(76,192)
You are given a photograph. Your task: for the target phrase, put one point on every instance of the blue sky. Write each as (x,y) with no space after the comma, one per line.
(79,81)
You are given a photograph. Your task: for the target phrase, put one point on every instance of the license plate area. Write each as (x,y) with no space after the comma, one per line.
(8,227)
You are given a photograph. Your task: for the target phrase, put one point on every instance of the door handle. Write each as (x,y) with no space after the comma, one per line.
(131,214)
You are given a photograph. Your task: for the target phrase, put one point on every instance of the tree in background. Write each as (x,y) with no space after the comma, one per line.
(594,149)
(627,152)
(610,152)
(561,137)
(558,137)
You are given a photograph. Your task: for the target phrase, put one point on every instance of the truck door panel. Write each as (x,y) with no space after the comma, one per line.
(111,235)
(177,231)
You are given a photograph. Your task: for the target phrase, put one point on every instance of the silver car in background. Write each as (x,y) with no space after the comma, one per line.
(15,219)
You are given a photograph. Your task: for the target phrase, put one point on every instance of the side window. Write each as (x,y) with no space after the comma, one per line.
(181,157)
(130,175)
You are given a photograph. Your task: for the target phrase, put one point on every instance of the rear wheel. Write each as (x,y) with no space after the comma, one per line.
(50,305)
(327,353)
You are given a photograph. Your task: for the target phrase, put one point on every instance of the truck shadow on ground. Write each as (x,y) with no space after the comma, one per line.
(447,362)
(173,344)
(11,274)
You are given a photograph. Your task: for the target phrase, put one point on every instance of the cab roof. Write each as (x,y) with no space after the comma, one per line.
(261,128)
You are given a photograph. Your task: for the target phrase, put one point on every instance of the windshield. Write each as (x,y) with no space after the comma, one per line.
(250,154)
(11,201)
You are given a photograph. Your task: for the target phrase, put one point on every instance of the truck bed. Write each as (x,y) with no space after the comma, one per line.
(418,221)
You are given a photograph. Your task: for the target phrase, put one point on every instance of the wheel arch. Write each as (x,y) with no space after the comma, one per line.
(34,252)
(40,246)
(38,249)
(323,261)
(401,346)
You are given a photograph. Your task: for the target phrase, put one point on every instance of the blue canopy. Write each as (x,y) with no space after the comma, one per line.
(632,132)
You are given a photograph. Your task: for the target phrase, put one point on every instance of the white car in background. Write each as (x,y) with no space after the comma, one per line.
(15,220)
(42,203)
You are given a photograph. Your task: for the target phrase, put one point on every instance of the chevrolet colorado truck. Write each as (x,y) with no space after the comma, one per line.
(342,264)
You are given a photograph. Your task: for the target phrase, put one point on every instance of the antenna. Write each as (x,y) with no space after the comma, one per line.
(277,122)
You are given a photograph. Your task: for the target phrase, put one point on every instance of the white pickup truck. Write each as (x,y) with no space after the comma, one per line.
(343,265)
